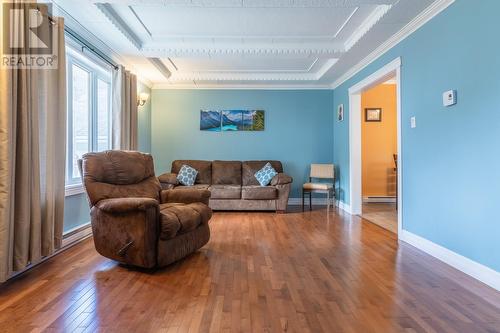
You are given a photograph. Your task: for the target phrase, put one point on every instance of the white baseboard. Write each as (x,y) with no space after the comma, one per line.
(78,236)
(379,199)
(478,271)
(345,207)
(319,202)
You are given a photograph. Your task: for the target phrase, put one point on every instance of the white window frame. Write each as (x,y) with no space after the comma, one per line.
(97,72)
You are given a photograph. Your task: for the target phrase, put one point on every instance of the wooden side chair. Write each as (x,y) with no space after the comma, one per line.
(320,171)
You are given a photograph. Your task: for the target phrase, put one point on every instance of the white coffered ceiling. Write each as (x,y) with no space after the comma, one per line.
(242,43)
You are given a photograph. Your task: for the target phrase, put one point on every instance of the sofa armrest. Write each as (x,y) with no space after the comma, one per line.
(126,230)
(186,196)
(125,205)
(169,178)
(283,194)
(281,179)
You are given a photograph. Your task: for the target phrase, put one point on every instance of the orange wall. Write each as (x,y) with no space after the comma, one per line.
(379,142)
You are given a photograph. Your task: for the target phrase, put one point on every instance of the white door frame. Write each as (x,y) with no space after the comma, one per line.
(355,175)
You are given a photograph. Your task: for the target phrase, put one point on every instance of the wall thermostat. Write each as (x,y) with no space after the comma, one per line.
(450,98)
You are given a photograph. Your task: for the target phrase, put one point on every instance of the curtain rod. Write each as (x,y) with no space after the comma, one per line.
(84,43)
(90,47)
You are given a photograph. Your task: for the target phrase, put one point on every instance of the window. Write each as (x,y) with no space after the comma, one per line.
(89,110)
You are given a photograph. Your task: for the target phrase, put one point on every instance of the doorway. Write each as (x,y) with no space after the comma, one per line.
(379,150)
(392,196)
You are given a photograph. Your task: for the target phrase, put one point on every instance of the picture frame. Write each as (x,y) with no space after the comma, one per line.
(340,112)
(232,120)
(373,114)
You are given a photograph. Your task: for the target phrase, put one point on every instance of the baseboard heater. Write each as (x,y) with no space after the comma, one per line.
(379,199)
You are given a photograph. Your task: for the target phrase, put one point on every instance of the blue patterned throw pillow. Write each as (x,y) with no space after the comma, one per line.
(187,175)
(265,174)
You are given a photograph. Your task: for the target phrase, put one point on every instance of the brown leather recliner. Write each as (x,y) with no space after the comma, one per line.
(133,220)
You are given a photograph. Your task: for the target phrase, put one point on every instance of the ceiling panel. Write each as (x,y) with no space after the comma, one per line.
(219,22)
(244,64)
(237,43)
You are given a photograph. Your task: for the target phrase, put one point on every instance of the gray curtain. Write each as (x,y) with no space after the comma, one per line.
(124,110)
(32,158)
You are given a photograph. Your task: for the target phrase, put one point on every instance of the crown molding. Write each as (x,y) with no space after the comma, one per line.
(208,49)
(366,26)
(256,75)
(325,68)
(118,22)
(424,17)
(160,66)
(253,76)
(224,86)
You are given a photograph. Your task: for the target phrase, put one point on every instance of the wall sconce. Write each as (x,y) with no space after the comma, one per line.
(142,99)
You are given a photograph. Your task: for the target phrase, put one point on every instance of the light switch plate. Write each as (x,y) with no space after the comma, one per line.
(413,122)
(449,98)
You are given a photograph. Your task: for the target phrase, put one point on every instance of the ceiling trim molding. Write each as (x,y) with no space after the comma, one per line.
(118,22)
(216,86)
(424,17)
(212,49)
(325,68)
(254,75)
(217,76)
(366,26)
(160,66)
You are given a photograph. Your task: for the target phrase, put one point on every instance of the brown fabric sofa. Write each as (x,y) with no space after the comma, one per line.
(233,185)
(133,220)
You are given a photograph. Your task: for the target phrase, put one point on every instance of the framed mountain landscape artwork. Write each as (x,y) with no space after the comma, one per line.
(232,120)
(243,120)
(210,121)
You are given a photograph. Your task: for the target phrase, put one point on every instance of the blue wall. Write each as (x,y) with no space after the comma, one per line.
(451,163)
(298,128)
(76,208)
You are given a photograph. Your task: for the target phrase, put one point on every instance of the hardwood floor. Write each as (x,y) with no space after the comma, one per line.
(384,215)
(260,272)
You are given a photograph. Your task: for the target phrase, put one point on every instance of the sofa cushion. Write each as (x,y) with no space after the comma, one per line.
(226,172)
(194,187)
(225,191)
(257,192)
(176,218)
(187,175)
(249,168)
(204,169)
(265,174)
